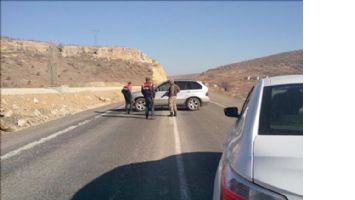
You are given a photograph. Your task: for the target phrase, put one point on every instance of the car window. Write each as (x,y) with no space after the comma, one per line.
(163,87)
(182,85)
(193,86)
(282,110)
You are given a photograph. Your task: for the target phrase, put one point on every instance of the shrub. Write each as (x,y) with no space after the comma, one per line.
(226,86)
(60,48)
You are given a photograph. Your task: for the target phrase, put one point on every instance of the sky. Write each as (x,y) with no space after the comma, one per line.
(185,37)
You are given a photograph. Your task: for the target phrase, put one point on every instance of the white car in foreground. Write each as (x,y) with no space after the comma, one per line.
(263,157)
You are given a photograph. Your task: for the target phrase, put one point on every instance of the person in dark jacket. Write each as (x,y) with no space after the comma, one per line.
(149,95)
(172,92)
(127,93)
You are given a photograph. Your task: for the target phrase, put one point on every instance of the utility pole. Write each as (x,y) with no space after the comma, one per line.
(53,65)
(96,33)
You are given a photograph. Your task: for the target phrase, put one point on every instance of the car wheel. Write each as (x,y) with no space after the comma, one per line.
(193,103)
(140,104)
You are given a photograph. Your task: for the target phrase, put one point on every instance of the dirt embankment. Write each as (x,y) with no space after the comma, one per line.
(24,110)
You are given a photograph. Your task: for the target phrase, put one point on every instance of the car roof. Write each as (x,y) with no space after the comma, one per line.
(282,80)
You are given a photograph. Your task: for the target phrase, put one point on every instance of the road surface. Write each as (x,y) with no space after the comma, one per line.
(106,154)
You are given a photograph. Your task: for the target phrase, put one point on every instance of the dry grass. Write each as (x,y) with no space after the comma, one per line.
(238,78)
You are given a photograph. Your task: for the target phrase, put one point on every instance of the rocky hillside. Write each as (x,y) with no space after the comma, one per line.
(40,64)
(236,79)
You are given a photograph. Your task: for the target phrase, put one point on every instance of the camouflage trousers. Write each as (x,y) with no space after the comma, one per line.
(172,104)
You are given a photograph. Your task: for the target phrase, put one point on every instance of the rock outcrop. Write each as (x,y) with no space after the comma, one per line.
(27,63)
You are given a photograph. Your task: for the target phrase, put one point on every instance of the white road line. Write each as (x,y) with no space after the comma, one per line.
(35,143)
(180,166)
(218,104)
(45,139)
(177,138)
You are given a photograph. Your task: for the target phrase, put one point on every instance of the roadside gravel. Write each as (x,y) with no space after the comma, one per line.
(19,111)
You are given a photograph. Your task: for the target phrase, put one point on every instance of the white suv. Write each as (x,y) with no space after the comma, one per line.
(263,157)
(192,95)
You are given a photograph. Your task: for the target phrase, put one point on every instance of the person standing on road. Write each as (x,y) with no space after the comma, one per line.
(149,95)
(172,92)
(127,93)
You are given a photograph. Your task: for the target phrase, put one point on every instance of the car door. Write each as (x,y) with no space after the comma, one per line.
(159,92)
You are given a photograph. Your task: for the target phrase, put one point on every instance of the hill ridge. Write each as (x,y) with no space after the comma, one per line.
(75,65)
(237,78)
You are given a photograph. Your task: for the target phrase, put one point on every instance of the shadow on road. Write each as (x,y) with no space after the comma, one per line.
(156,179)
(112,110)
(134,111)
(135,115)
(132,116)
(121,113)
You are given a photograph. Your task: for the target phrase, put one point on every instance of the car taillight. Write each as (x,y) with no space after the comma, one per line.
(229,195)
(235,187)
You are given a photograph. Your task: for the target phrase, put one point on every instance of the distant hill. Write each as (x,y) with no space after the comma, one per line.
(184,76)
(26,63)
(237,78)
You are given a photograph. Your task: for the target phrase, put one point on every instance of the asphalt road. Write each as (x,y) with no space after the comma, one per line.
(106,154)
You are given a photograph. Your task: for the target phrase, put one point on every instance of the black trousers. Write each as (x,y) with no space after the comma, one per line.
(149,106)
(128,106)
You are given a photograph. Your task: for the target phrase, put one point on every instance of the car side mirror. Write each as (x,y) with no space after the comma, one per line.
(231,112)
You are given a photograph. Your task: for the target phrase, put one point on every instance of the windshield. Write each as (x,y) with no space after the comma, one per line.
(282,110)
